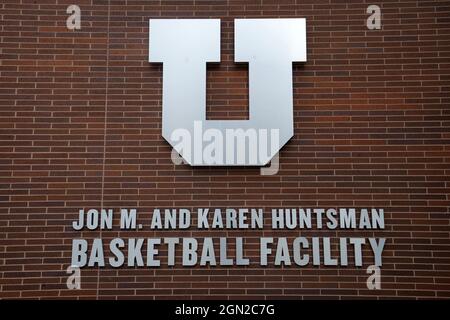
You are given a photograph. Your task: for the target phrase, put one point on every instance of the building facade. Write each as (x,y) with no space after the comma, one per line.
(81,123)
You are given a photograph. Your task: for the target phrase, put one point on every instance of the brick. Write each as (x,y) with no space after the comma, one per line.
(81,126)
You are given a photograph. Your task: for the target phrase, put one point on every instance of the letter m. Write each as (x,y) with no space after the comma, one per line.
(128,219)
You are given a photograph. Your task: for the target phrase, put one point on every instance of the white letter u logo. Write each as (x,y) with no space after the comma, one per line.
(185,46)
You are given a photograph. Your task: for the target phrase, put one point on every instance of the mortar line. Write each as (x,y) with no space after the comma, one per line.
(105,124)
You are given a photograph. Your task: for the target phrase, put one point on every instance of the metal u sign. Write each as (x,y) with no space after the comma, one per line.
(269,46)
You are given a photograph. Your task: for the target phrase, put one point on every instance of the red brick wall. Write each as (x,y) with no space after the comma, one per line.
(81,128)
